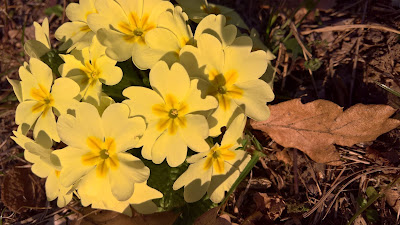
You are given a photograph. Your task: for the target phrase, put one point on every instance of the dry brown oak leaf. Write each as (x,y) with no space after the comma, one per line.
(314,127)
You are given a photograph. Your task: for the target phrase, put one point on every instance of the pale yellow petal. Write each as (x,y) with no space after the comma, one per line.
(124,130)
(222,183)
(74,131)
(197,99)
(195,132)
(131,171)
(64,91)
(143,193)
(110,73)
(41,72)
(249,65)
(234,130)
(216,26)
(165,146)
(150,136)
(25,114)
(220,118)
(16,85)
(141,101)
(117,47)
(165,81)
(110,14)
(256,93)
(71,161)
(211,51)
(196,181)
(42,32)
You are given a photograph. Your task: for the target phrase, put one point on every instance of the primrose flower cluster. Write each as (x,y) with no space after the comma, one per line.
(199,83)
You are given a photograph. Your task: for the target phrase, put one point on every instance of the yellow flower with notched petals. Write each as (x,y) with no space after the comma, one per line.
(170,113)
(40,96)
(199,9)
(90,68)
(231,74)
(45,165)
(215,171)
(122,25)
(165,41)
(77,34)
(96,149)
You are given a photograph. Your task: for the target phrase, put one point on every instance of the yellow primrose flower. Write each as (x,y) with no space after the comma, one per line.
(97,145)
(45,165)
(120,25)
(216,170)
(170,113)
(198,9)
(90,68)
(39,47)
(165,41)
(77,34)
(232,76)
(101,197)
(40,96)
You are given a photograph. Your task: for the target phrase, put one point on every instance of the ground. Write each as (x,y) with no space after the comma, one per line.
(285,186)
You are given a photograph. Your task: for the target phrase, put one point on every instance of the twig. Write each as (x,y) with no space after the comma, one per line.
(63,16)
(295,173)
(241,197)
(307,55)
(350,26)
(353,73)
(323,199)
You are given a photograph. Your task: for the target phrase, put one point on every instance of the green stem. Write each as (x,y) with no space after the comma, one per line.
(371,201)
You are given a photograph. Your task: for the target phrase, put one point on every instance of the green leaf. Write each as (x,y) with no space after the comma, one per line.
(293,46)
(53,60)
(191,211)
(371,192)
(313,64)
(131,77)
(57,10)
(372,215)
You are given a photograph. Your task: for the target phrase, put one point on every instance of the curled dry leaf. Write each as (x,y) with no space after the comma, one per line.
(393,198)
(271,207)
(22,190)
(104,217)
(314,127)
(211,218)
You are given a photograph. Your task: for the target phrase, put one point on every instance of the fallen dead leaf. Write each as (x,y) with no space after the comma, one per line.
(315,127)
(211,218)
(104,217)
(272,207)
(22,190)
(393,199)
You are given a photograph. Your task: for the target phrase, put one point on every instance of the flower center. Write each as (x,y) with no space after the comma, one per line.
(138,32)
(44,99)
(104,154)
(217,156)
(222,90)
(135,30)
(173,113)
